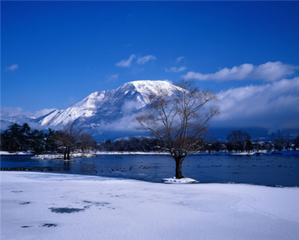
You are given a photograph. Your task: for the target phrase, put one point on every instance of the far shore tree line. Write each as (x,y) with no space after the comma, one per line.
(69,139)
(237,141)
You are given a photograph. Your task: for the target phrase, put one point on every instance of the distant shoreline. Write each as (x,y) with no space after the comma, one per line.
(102,153)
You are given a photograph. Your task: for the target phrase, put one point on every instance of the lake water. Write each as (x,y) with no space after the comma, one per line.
(261,170)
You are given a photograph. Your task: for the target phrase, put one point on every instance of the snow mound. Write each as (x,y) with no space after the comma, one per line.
(181,180)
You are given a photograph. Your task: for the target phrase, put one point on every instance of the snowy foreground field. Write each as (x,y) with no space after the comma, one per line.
(62,206)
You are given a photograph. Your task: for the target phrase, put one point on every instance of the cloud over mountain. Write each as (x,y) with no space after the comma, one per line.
(273,104)
(7,112)
(12,111)
(270,71)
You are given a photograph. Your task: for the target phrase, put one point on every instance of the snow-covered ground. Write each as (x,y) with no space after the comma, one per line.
(62,206)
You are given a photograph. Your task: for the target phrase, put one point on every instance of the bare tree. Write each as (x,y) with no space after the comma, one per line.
(87,141)
(179,119)
(239,140)
(68,139)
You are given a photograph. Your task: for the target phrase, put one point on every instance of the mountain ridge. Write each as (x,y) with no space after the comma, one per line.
(108,106)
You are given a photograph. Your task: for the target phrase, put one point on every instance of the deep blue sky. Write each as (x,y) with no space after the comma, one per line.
(56,53)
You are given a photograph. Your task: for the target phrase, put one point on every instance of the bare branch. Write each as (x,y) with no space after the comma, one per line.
(180,118)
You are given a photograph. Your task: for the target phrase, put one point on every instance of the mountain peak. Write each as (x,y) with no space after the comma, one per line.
(147,87)
(150,83)
(103,107)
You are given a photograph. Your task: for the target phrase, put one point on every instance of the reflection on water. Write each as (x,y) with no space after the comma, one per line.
(264,170)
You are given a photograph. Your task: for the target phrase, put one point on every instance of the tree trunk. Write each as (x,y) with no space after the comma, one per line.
(64,155)
(68,153)
(178,168)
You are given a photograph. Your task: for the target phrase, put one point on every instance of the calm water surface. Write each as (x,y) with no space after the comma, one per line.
(261,170)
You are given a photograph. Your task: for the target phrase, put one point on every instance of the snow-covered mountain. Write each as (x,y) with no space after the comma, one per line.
(109,109)
(110,114)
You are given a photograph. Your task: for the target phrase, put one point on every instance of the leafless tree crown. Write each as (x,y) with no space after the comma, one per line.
(179,118)
(71,138)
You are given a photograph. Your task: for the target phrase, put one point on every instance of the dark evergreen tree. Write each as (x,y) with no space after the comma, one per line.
(13,138)
(50,143)
(25,136)
(37,141)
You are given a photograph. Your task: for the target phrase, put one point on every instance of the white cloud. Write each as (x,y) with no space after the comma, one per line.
(143,60)
(270,71)
(18,115)
(7,112)
(175,69)
(124,124)
(179,59)
(126,63)
(140,60)
(112,77)
(43,112)
(260,106)
(13,111)
(130,106)
(13,67)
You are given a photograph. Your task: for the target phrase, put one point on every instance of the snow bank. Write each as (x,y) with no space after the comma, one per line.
(6,153)
(130,153)
(62,206)
(60,156)
(15,153)
(243,153)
